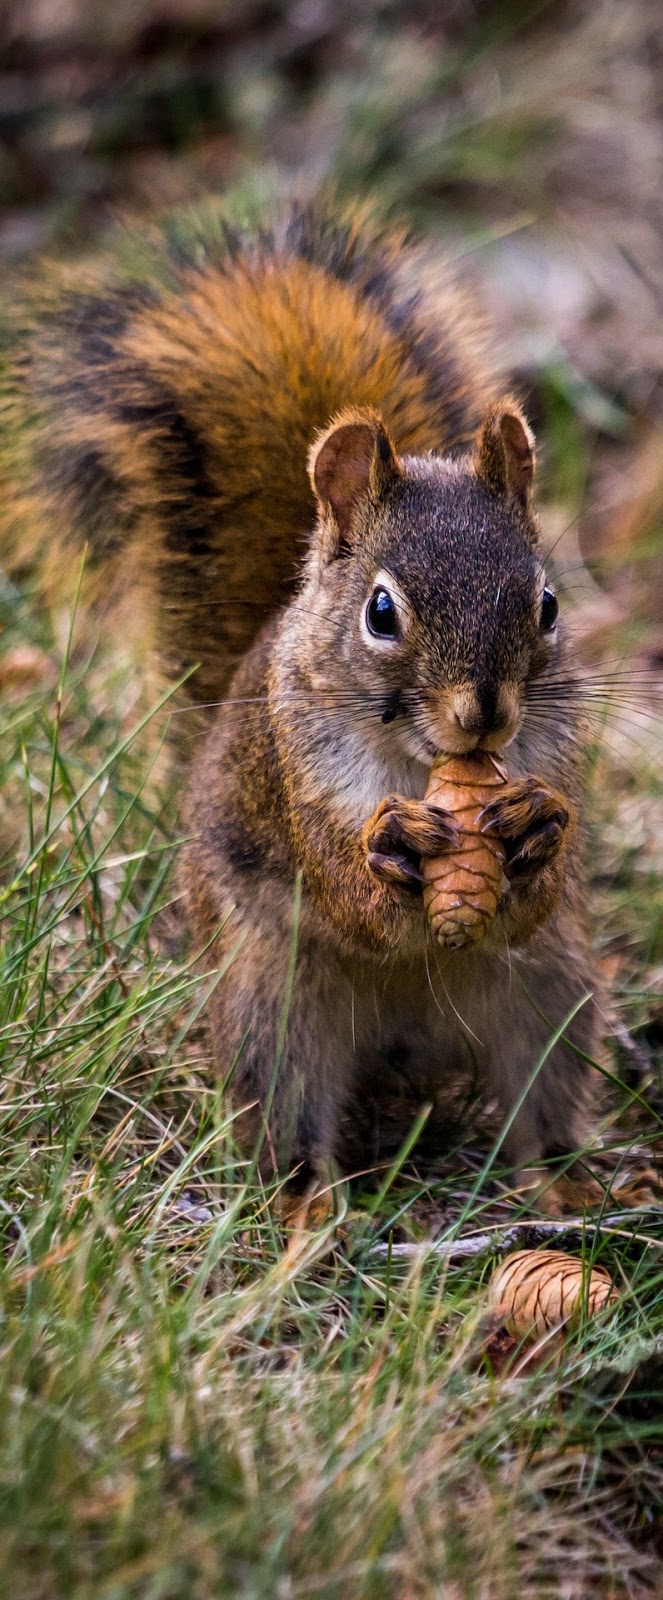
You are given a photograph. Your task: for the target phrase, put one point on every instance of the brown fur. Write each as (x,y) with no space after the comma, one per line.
(170,427)
(175,425)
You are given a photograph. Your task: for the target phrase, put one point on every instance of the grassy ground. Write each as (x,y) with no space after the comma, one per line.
(189,1408)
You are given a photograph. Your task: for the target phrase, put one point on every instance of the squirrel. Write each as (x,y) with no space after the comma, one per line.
(292,447)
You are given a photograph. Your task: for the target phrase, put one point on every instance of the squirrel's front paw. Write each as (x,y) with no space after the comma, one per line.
(530,821)
(400,833)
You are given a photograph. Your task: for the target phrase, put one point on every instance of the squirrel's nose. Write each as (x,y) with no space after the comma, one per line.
(485,711)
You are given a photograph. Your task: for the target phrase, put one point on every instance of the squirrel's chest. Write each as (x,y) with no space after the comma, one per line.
(353,775)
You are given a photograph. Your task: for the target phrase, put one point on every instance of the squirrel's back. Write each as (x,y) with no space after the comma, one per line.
(168,425)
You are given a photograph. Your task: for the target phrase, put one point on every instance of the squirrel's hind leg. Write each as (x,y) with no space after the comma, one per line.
(284,1057)
(550,1097)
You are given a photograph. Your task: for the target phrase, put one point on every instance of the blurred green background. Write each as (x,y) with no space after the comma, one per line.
(527,138)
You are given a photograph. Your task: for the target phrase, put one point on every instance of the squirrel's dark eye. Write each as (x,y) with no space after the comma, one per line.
(381,616)
(549,611)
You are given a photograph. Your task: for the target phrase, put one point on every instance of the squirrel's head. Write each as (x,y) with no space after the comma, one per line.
(431,588)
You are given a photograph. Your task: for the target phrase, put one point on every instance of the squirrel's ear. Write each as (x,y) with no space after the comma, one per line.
(354,457)
(504,457)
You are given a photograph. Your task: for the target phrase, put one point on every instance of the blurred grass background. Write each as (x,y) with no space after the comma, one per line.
(187,1409)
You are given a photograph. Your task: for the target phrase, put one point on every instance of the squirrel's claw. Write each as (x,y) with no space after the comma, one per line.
(412,826)
(535,849)
(396,870)
(530,820)
(400,833)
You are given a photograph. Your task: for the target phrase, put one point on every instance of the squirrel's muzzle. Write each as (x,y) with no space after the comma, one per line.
(467,717)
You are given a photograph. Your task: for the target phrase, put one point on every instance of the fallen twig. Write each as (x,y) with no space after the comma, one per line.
(526,1234)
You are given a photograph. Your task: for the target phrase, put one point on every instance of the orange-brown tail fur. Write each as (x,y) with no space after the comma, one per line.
(169,426)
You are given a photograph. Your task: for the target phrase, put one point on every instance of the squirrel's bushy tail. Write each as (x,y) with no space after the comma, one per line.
(168,426)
